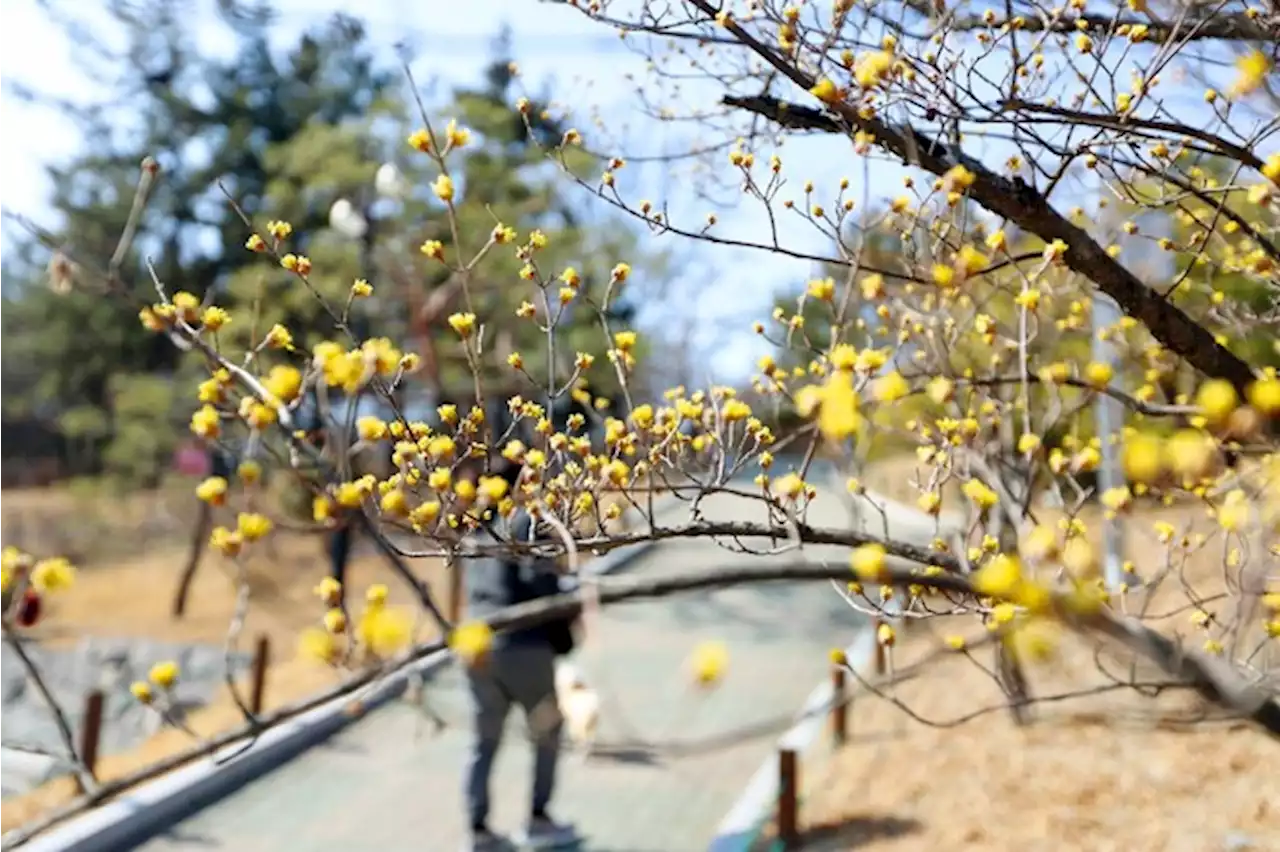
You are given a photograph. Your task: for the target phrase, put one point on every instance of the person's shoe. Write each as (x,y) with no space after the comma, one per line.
(484,840)
(542,832)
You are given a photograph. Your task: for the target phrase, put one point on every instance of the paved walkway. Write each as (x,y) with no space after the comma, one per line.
(389,783)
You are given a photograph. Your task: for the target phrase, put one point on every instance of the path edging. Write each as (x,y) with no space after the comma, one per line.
(148,810)
(742,825)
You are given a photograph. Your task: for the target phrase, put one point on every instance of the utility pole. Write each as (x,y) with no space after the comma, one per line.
(1108,412)
(1108,419)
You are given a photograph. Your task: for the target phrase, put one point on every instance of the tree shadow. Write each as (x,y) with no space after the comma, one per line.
(625,754)
(850,832)
(185,838)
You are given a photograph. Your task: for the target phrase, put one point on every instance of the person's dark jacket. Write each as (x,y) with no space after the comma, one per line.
(497,582)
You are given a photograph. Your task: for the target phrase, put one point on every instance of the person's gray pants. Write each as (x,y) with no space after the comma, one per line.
(525,675)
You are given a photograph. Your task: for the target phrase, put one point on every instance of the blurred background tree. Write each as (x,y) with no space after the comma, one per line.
(285,134)
(78,367)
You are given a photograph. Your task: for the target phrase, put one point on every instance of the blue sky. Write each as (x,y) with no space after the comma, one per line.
(582,62)
(584,65)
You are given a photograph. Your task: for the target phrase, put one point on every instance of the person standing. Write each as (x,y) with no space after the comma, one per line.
(519,669)
(309,421)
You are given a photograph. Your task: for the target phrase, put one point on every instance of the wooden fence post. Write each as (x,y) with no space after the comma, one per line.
(788,798)
(455,593)
(839,706)
(261,659)
(91,732)
(880,652)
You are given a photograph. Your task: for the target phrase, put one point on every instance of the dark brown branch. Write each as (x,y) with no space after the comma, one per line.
(1015,200)
(82,772)
(1115,122)
(1233,27)
(809,535)
(1130,402)
(1212,678)
(1020,203)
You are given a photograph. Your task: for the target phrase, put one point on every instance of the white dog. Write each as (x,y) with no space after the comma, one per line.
(579,705)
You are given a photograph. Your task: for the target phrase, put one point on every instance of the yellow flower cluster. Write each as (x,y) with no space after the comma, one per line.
(379,633)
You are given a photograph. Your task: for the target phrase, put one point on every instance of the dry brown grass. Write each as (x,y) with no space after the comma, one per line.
(91,523)
(132,599)
(1113,770)
(1095,773)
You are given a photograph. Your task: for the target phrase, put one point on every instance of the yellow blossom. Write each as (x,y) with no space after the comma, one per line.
(1251,70)
(53,575)
(443,188)
(457,136)
(1142,458)
(825,90)
(1098,374)
(978,492)
(283,383)
(279,337)
(1264,395)
(376,595)
(868,563)
(249,471)
(225,541)
(1080,558)
(1189,453)
(329,590)
(315,643)
(873,68)
(421,140)
(890,387)
(1217,399)
(213,490)
(463,323)
(384,631)
(1234,512)
(164,674)
(837,404)
(321,508)
(471,641)
(214,318)
(708,662)
(335,620)
(206,422)
(1034,639)
(371,428)
(252,525)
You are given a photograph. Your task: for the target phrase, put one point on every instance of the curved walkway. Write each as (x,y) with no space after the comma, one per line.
(390,783)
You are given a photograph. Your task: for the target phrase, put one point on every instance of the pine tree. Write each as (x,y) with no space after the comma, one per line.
(77,364)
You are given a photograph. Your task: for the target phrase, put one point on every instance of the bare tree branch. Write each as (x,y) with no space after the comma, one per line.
(1020,203)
